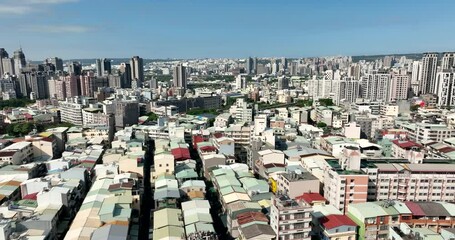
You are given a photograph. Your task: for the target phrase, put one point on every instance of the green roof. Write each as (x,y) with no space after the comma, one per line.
(366,210)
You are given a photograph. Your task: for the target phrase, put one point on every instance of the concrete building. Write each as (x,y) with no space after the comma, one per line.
(428,78)
(375,86)
(297,183)
(126,113)
(290,218)
(137,70)
(445,89)
(17,153)
(241,111)
(399,87)
(344,183)
(448,61)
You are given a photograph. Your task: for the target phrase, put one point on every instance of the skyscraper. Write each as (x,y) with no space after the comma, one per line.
(74,68)
(107,67)
(375,86)
(283,83)
(446,93)
(103,67)
(429,68)
(19,61)
(448,61)
(399,87)
(99,68)
(255,65)
(125,73)
(180,76)
(71,84)
(3,54)
(137,70)
(284,63)
(57,62)
(249,65)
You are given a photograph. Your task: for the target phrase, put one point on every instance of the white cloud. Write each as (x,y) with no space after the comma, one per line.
(56,29)
(14,10)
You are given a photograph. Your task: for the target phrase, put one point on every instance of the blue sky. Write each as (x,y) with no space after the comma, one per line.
(224,28)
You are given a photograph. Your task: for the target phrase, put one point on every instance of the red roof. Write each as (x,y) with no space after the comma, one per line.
(334,221)
(405,144)
(208,149)
(447,149)
(415,209)
(31,196)
(311,198)
(248,217)
(181,154)
(28,116)
(197,139)
(217,135)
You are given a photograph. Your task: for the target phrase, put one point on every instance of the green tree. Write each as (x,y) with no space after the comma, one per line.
(321,125)
(415,108)
(152,116)
(326,102)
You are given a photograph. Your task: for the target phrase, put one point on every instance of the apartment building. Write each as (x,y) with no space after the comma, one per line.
(17,153)
(426,132)
(413,182)
(239,133)
(297,183)
(344,182)
(290,218)
(378,220)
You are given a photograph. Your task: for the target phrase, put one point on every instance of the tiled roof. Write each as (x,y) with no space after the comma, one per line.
(311,197)
(333,221)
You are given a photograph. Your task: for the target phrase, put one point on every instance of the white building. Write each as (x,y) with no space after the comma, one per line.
(241,111)
(375,86)
(446,88)
(17,153)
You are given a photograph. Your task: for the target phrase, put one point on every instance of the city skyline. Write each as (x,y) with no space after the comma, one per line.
(179,29)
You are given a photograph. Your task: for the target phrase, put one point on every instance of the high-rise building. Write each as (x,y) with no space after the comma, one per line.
(125,73)
(255,65)
(98,65)
(294,68)
(107,67)
(375,86)
(249,66)
(429,68)
(284,63)
(8,66)
(348,90)
(3,54)
(274,65)
(448,61)
(240,82)
(416,75)
(283,83)
(446,88)
(399,87)
(137,70)
(74,68)
(57,62)
(71,84)
(60,89)
(180,76)
(153,84)
(126,113)
(19,61)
